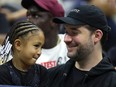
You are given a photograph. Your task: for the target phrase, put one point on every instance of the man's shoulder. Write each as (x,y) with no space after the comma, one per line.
(57,69)
(63,68)
(40,68)
(113,73)
(112,76)
(55,74)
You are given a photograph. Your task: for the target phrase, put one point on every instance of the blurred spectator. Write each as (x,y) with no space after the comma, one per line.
(10,11)
(112,55)
(13,10)
(67,5)
(4,27)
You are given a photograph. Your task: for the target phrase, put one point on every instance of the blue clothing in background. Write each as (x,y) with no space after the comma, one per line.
(4,25)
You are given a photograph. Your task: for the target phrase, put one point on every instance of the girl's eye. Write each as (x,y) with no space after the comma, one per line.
(37,45)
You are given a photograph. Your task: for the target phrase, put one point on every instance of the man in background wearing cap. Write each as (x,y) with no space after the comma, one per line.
(86,30)
(41,13)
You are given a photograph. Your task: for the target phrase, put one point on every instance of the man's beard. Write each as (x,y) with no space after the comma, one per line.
(83,52)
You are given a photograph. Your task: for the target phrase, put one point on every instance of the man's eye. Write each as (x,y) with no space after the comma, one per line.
(36,16)
(75,33)
(72,33)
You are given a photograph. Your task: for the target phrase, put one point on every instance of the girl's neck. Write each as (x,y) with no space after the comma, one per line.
(20,66)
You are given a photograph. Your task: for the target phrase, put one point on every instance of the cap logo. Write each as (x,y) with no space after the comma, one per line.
(75,10)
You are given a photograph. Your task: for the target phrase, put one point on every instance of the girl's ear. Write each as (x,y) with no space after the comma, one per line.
(17,44)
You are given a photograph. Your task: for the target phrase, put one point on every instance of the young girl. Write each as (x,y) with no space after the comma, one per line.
(24,41)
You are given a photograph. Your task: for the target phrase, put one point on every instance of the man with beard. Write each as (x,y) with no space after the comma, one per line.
(86,32)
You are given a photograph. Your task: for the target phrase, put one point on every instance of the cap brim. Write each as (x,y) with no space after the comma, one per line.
(67,20)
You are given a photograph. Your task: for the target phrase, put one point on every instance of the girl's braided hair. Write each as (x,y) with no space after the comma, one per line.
(18,29)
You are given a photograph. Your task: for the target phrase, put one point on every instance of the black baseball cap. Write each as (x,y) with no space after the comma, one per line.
(86,14)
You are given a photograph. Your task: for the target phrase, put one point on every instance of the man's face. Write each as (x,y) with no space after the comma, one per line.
(40,18)
(79,42)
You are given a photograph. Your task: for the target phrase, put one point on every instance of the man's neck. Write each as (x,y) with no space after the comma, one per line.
(89,62)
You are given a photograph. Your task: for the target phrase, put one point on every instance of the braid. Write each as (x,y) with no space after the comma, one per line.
(18,29)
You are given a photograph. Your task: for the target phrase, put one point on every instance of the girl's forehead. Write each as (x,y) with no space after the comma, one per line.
(36,37)
(33,33)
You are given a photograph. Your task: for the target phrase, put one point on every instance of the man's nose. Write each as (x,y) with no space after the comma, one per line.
(67,38)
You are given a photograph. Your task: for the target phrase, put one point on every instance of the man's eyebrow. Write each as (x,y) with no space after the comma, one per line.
(73,28)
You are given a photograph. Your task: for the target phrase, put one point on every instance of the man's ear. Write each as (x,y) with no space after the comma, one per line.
(18,44)
(98,35)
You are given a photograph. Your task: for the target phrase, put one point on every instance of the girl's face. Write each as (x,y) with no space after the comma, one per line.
(29,48)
